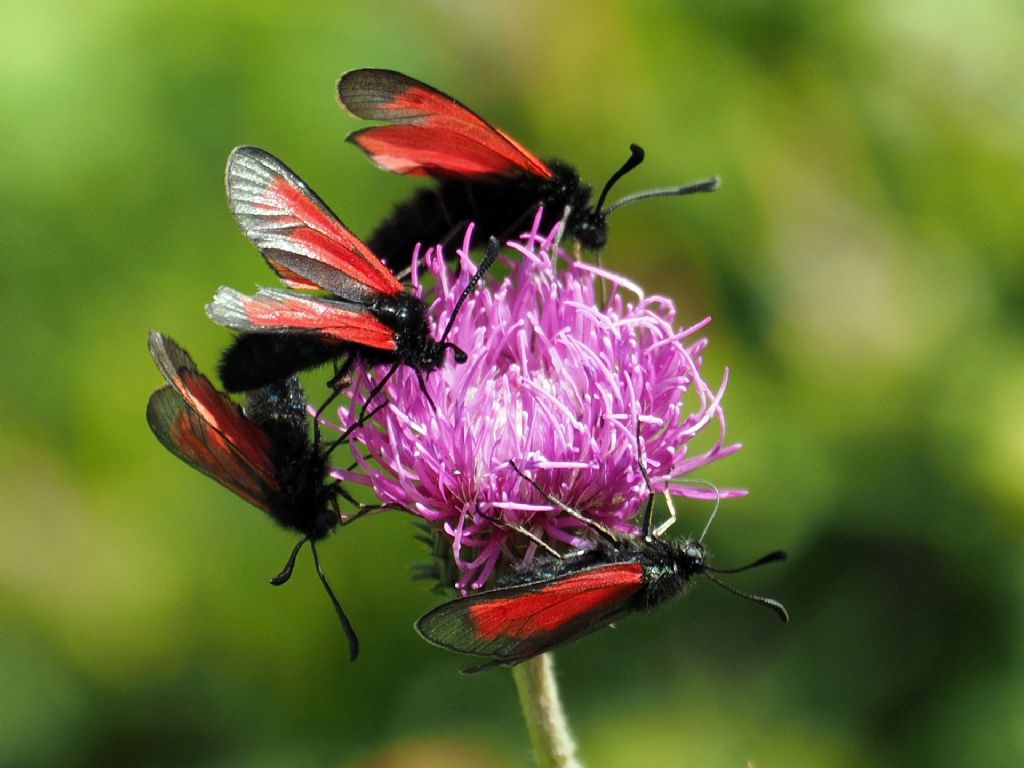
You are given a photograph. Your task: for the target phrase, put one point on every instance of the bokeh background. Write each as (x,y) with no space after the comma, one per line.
(863,264)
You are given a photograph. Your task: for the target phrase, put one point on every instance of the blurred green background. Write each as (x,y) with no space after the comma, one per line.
(863,263)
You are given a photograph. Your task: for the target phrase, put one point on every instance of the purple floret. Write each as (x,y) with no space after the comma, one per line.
(565,359)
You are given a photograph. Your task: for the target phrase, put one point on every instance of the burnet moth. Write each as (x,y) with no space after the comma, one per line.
(485,175)
(561,598)
(262,452)
(369,313)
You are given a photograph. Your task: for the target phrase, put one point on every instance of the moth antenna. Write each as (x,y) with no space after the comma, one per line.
(707,185)
(636,156)
(492,253)
(777,556)
(286,572)
(767,602)
(714,512)
(350,633)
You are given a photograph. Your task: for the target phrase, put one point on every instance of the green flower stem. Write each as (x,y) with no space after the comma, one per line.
(553,746)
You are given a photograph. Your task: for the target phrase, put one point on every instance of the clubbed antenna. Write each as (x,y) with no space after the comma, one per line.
(492,254)
(707,185)
(286,573)
(774,605)
(777,556)
(350,633)
(635,158)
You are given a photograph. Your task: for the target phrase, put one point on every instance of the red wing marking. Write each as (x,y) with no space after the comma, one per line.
(415,151)
(276,311)
(293,280)
(433,133)
(283,216)
(185,434)
(228,422)
(536,612)
(214,409)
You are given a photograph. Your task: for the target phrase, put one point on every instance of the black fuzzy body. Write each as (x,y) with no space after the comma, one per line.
(255,360)
(497,205)
(303,501)
(406,315)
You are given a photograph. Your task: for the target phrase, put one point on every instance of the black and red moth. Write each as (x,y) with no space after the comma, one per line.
(485,175)
(262,453)
(559,600)
(369,313)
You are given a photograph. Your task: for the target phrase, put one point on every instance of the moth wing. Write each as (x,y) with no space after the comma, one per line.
(430,133)
(298,235)
(273,310)
(512,624)
(213,407)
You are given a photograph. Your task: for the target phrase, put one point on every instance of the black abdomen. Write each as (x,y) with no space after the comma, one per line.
(499,207)
(257,359)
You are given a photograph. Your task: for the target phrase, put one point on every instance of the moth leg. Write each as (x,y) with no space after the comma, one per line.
(592,524)
(525,532)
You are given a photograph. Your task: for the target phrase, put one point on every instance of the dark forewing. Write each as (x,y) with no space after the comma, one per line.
(194,440)
(512,624)
(207,429)
(302,240)
(431,133)
(215,408)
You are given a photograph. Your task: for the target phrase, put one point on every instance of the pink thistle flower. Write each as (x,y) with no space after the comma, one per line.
(565,360)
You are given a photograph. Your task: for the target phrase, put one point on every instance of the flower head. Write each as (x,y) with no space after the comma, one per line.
(574,377)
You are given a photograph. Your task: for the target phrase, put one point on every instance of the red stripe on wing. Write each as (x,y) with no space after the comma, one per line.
(537,612)
(207,449)
(413,151)
(282,215)
(277,311)
(213,408)
(227,419)
(439,136)
(292,280)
